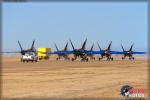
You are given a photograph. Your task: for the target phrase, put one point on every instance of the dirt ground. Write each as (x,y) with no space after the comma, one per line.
(53,79)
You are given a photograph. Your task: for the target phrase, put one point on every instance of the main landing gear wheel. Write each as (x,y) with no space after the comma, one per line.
(87,59)
(112,58)
(72,59)
(94,58)
(99,59)
(23,60)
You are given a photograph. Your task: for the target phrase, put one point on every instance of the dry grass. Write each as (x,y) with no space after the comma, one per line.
(68,80)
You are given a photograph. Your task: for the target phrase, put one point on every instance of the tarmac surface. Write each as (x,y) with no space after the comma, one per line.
(66,80)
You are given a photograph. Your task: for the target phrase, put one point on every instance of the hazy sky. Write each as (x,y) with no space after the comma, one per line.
(58,22)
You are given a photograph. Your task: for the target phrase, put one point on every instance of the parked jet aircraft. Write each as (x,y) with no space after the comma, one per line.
(129,53)
(105,52)
(81,52)
(32,49)
(62,53)
(31,53)
(27,54)
(23,51)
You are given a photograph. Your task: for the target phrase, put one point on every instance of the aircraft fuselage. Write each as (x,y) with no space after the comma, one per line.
(128,54)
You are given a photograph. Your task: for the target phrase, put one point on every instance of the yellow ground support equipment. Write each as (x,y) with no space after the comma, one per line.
(42,53)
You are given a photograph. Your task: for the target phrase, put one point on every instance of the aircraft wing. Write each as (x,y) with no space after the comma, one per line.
(68,52)
(95,52)
(116,52)
(101,52)
(11,52)
(139,52)
(59,52)
(121,52)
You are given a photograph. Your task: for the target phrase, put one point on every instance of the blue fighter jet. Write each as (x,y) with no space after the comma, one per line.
(62,53)
(81,52)
(104,52)
(24,51)
(129,53)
